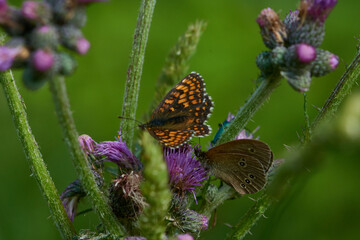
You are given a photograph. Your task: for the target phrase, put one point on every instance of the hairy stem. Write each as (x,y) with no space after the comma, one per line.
(132,84)
(224,193)
(97,197)
(262,93)
(342,89)
(33,155)
(155,190)
(250,218)
(307,128)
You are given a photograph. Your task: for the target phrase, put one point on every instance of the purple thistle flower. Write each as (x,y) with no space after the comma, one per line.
(87,144)
(43,60)
(305,53)
(185,172)
(82,45)
(185,236)
(118,152)
(7,57)
(319,9)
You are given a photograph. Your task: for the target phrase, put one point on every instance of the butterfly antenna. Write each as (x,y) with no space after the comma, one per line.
(130,119)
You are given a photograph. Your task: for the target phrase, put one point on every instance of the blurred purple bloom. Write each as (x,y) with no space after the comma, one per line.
(185,172)
(319,9)
(134,238)
(82,45)
(29,9)
(334,61)
(306,53)
(43,60)
(44,29)
(243,134)
(185,236)
(87,144)
(119,153)
(7,56)
(3,6)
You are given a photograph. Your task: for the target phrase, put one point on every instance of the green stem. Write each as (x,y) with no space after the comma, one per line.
(307,129)
(132,84)
(33,155)
(250,218)
(224,193)
(341,90)
(83,169)
(155,190)
(262,93)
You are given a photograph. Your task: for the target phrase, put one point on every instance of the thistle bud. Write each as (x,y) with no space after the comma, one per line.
(324,63)
(299,55)
(44,36)
(67,64)
(278,56)
(35,12)
(79,17)
(264,62)
(43,60)
(73,39)
(272,29)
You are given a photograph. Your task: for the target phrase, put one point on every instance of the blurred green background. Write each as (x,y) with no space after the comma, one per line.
(325,206)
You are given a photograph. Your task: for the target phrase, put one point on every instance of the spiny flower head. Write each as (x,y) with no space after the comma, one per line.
(87,144)
(317,9)
(272,29)
(118,152)
(185,172)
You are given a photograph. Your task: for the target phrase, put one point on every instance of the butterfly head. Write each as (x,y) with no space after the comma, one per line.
(200,155)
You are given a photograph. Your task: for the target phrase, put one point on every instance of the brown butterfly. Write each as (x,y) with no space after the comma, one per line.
(242,163)
(182,113)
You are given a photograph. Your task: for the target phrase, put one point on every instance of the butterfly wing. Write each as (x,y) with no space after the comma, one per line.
(250,147)
(171,138)
(182,113)
(244,173)
(188,92)
(242,164)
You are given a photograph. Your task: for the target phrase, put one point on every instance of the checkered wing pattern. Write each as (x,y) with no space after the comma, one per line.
(182,113)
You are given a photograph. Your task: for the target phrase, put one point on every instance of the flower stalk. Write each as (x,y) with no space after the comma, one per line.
(255,101)
(97,197)
(342,89)
(33,155)
(133,78)
(155,190)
